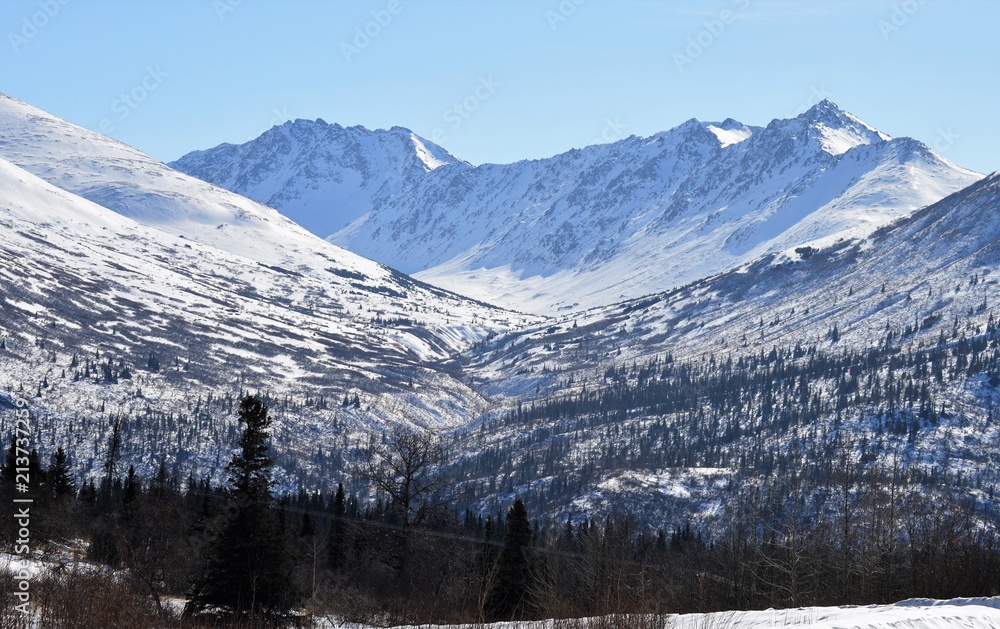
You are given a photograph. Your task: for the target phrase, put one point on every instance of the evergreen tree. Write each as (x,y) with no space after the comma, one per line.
(488,556)
(247,566)
(131,489)
(160,484)
(60,476)
(307,529)
(337,539)
(88,493)
(36,474)
(510,597)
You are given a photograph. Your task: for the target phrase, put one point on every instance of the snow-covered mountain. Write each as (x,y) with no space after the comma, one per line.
(322,176)
(894,339)
(128,287)
(942,260)
(609,222)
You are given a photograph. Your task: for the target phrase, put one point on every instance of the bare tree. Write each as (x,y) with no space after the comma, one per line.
(404,465)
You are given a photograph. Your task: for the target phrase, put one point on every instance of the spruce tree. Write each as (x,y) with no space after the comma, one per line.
(247,561)
(510,597)
(131,490)
(488,555)
(36,473)
(88,493)
(307,528)
(60,476)
(337,538)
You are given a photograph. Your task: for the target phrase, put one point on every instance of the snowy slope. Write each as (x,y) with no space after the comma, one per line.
(926,281)
(943,259)
(79,283)
(321,176)
(608,222)
(109,258)
(134,185)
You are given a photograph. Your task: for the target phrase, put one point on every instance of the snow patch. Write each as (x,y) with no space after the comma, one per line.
(728,137)
(428,158)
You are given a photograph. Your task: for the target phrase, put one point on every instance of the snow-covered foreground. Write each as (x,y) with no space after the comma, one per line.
(910,614)
(969,613)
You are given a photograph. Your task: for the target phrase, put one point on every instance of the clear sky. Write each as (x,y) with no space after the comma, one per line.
(504,80)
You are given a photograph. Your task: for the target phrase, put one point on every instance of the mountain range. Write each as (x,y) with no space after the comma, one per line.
(597,225)
(718,300)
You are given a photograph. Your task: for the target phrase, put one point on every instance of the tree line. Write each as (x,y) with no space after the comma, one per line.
(857,530)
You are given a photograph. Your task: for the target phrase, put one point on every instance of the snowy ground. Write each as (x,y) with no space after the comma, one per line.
(969,613)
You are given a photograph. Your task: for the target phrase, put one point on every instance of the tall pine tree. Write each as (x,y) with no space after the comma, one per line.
(60,476)
(247,561)
(510,596)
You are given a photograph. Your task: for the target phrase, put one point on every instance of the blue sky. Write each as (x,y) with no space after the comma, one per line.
(501,81)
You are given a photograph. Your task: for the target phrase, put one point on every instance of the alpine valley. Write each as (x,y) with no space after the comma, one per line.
(649,326)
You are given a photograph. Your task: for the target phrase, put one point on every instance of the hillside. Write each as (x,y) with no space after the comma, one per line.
(132,289)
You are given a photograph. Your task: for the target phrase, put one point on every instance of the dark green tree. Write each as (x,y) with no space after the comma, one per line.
(510,596)
(337,537)
(36,473)
(247,559)
(307,528)
(60,476)
(88,493)
(131,490)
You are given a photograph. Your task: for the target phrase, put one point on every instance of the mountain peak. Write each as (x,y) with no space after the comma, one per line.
(826,106)
(836,130)
(321,175)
